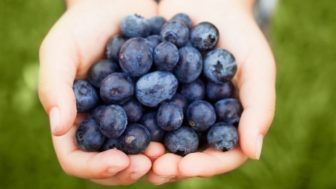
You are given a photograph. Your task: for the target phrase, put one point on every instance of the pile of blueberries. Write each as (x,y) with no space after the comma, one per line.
(162,81)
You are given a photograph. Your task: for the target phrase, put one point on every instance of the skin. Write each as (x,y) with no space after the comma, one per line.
(78,39)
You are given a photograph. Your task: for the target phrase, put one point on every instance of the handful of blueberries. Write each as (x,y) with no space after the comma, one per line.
(161,81)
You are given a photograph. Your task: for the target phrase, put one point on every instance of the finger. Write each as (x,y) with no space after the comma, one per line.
(210,162)
(154,150)
(256,84)
(90,165)
(57,73)
(165,169)
(138,167)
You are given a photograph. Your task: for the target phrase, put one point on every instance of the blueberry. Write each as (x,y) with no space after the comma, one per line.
(219,65)
(222,136)
(133,110)
(175,32)
(180,101)
(219,91)
(116,88)
(111,143)
(134,26)
(194,90)
(155,24)
(156,87)
(97,112)
(189,67)
(166,56)
(201,115)
(182,141)
(229,110)
(149,121)
(204,36)
(183,18)
(169,116)
(135,139)
(113,47)
(88,136)
(85,94)
(99,71)
(135,57)
(153,41)
(113,121)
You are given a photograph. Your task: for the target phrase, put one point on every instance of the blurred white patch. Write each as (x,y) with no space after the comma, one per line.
(264,10)
(25,94)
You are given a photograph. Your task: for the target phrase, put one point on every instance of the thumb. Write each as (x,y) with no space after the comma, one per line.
(257,94)
(57,72)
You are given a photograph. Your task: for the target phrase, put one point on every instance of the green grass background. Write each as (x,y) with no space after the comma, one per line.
(299,152)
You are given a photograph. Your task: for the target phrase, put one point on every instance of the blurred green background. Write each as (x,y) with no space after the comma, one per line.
(299,152)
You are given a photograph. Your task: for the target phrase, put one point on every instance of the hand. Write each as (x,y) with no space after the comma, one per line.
(75,42)
(255,80)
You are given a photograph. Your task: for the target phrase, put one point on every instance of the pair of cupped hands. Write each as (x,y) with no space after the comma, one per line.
(78,40)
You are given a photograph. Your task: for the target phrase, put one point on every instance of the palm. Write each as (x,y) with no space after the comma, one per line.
(71,47)
(255,80)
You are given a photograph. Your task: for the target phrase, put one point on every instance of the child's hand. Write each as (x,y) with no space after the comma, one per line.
(255,80)
(74,43)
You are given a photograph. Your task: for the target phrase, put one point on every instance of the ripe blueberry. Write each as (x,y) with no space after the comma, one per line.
(113,121)
(189,67)
(134,26)
(85,94)
(116,88)
(133,110)
(166,56)
(201,115)
(88,136)
(219,65)
(204,36)
(222,136)
(149,121)
(180,101)
(229,110)
(183,18)
(219,91)
(135,57)
(169,116)
(155,24)
(194,90)
(175,32)
(113,47)
(155,87)
(99,71)
(97,112)
(135,139)
(182,141)
(153,41)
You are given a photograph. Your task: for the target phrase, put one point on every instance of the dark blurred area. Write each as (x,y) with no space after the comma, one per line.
(299,152)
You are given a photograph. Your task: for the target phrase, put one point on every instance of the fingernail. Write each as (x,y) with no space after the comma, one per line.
(54,117)
(259,146)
